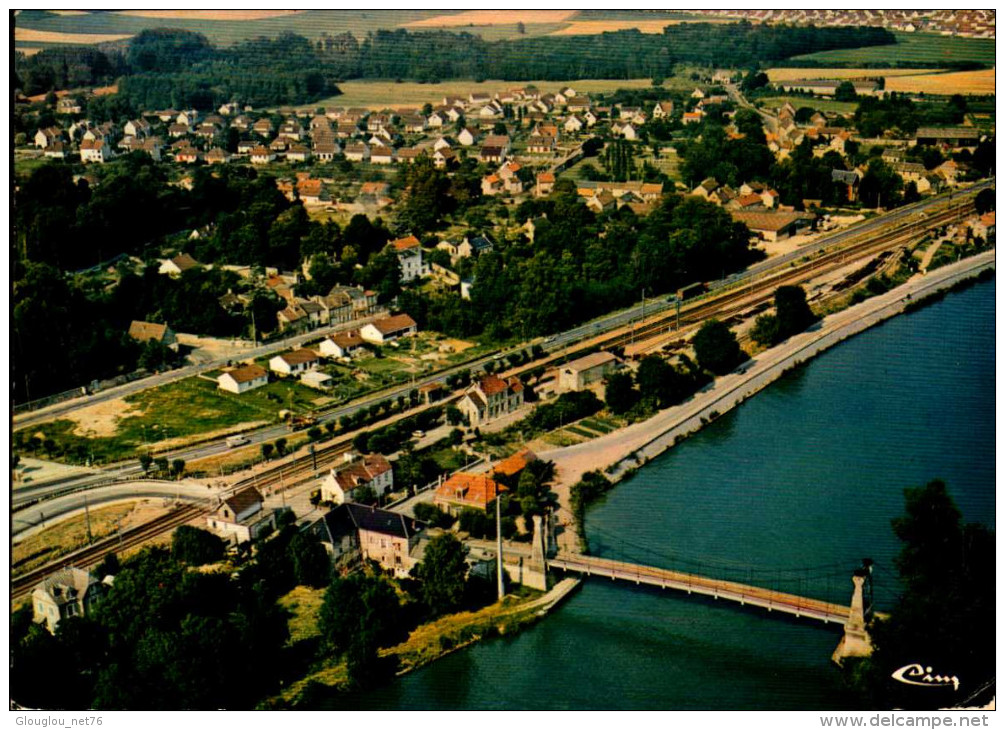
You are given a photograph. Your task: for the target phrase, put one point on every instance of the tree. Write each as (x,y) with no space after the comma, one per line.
(196,547)
(619,392)
(146,460)
(661,383)
(267,450)
(432,515)
(178,467)
(765,330)
(845,92)
(984,202)
(108,566)
(443,574)
(281,445)
(716,347)
(360,614)
(793,313)
(310,562)
(946,609)
(163,465)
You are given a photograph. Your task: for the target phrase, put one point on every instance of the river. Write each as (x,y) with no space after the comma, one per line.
(790,490)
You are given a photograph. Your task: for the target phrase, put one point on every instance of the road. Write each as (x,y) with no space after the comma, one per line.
(31,519)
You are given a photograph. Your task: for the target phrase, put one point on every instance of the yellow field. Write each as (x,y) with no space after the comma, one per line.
(959,82)
(792,74)
(68,12)
(492,17)
(389,95)
(595,27)
(209,14)
(28,51)
(49,36)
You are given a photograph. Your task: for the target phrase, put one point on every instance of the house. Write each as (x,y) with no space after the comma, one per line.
(467,136)
(352,533)
(65,593)
(545,183)
(242,379)
(294,362)
(178,130)
(949,136)
(444,158)
(95,151)
(771,225)
(136,128)
(410,257)
(492,184)
(628,131)
(357,472)
(697,94)
(849,179)
(985,227)
(601,201)
(586,370)
(388,329)
(217,156)
(56,151)
(467,491)
(490,154)
(241,516)
(693,117)
(187,155)
(511,466)
(343,345)
(68,105)
(573,125)
(262,155)
(541,145)
(707,186)
(312,193)
(359,152)
(663,110)
(436,119)
(477,245)
(147,331)
(316,379)
(298,153)
(380,155)
(178,264)
(489,398)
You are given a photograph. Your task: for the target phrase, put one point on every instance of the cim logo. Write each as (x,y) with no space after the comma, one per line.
(920,676)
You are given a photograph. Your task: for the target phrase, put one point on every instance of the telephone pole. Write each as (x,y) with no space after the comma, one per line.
(499,555)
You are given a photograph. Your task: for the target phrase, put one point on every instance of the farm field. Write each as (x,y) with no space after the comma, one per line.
(792,74)
(821,105)
(30,35)
(958,82)
(391,95)
(911,48)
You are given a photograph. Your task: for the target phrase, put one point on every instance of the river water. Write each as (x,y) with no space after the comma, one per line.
(790,490)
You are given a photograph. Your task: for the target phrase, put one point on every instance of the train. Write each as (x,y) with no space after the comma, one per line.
(691,290)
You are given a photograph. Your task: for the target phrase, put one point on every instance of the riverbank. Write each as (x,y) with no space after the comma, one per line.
(620,453)
(438,639)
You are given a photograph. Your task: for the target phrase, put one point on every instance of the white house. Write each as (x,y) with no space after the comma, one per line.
(489,398)
(410,257)
(242,379)
(241,516)
(65,593)
(343,345)
(294,362)
(388,329)
(95,151)
(357,472)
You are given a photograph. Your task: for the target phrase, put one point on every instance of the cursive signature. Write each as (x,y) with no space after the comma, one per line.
(922,677)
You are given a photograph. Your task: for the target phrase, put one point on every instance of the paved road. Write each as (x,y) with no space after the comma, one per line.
(36,517)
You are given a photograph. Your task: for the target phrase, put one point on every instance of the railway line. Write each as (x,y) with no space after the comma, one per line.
(93,554)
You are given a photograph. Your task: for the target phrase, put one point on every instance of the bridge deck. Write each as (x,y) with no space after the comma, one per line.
(728,590)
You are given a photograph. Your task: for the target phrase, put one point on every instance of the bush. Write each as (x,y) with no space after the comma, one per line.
(196,547)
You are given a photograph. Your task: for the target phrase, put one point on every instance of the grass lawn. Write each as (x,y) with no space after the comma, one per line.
(911,49)
(25,166)
(303,603)
(450,459)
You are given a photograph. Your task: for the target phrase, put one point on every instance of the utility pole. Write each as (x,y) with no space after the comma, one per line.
(499,555)
(87,515)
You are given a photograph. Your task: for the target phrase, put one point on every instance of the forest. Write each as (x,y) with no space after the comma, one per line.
(174,68)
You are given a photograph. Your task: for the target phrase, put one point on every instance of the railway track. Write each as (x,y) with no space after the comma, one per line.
(94,554)
(750,295)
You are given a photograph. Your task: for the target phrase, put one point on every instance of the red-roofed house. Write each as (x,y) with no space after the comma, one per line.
(242,379)
(356,472)
(489,398)
(466,491)
(410,257)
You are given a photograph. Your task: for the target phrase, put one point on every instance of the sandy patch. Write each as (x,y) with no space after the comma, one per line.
(27,51)
(69,13)
(960,82)
(102,419)
(493,17)
(456,345)
(51,36)
(99,91)
(210,14)
(793,74)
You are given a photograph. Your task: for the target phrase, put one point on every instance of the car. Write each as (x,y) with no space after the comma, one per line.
(235,441)
(549,339)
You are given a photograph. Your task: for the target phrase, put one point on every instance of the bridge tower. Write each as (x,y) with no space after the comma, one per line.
(538,546)
(856,641)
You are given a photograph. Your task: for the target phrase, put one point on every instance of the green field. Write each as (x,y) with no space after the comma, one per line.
(911,49)
(820,105)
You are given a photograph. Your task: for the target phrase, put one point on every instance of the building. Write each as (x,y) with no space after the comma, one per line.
(355,473)
(828,87)
(410,257)
(489,398)
(388,329)
(67,592)
(474,246)
(511,466)
(177,265)
(771,225)
(343,345)
(147,331)
(96,150)
(242,379)
(295,362)
(586,370)
(353,532)
(241,516)
(545,184)
(950,136)
(466,491)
